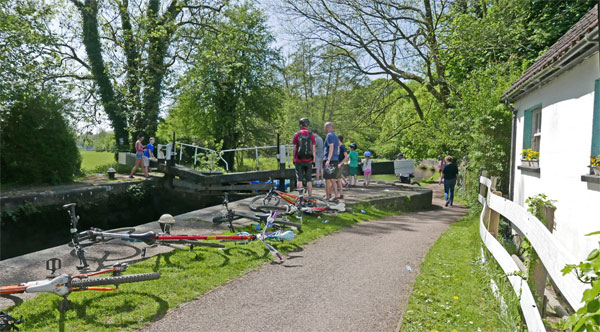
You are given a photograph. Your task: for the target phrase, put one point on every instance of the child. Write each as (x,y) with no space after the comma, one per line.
(353,156)
(366,166)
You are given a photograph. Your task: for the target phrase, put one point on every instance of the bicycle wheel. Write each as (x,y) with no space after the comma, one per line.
(262,200)
(115,280)
(86,240)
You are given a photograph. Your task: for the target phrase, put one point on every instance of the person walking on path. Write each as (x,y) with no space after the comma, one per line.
(332,147)
(343,158)
(366,166)
(148,154)
(320,182)
(304,155)
(353,169)
(440,166)
(449,174)
(139,155)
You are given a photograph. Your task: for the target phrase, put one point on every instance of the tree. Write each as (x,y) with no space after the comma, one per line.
(37,144)
(230,95)
(380,37)
(130,47)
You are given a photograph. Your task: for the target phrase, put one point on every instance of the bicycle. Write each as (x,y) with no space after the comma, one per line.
(151,238)
(64,284)
(80,240)
(273,198)
(302,204)
(229,216)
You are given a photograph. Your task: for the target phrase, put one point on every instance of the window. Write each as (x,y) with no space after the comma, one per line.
(532,128)
(536,129)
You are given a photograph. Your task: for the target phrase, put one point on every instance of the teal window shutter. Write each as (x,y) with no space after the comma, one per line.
(596,120)
(527,129)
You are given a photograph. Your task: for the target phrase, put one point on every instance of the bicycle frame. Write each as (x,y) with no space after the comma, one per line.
(231,215)
(65,284)
(152,238)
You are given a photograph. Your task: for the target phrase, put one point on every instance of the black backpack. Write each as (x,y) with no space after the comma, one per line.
(305,146)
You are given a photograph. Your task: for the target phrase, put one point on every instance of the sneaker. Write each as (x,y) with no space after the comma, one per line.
(447,203)
(131,176)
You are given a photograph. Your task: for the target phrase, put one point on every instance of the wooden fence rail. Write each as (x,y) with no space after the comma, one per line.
(552,253)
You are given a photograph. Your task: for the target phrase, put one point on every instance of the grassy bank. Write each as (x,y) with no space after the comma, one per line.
(453,291)
(184,276)
(90,160)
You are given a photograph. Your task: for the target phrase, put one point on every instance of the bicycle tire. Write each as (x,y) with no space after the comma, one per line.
(115,280)
(84,238)
(262,200)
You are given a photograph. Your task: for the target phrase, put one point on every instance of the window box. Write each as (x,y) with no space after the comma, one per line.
(533,163)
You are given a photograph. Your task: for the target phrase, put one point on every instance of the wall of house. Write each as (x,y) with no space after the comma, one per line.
(566,137)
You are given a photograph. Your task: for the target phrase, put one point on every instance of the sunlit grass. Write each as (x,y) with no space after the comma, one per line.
(184,277)
(453,292)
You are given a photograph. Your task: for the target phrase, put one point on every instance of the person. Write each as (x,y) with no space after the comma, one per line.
(449,174)
(353,171)
(440,166)
(343,158)
(404,177)
(304,155)
(320,182)
(139,153)
(366,166)
(148,154)
(331,154)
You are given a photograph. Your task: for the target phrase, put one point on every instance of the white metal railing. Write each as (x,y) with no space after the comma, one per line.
(553,255)
(284,150)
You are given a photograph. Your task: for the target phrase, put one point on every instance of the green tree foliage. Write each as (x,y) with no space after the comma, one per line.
(230,95)
(37,145)
(130,48)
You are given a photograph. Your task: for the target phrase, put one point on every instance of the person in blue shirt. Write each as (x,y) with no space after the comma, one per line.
(148,154)
(330,172)
(449,174)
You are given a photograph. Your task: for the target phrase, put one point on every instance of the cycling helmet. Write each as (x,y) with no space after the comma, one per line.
(304,123)
(367,154)
(353,145)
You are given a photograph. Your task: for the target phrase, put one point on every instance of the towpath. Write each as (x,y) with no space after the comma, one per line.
(355,280)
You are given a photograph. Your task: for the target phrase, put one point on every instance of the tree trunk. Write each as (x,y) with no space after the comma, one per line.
(93,48)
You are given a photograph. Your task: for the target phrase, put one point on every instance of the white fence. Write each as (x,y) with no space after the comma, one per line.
(552,254)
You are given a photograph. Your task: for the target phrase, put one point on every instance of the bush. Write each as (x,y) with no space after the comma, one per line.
(37,144)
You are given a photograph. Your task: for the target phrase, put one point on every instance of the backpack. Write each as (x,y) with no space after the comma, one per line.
(305,146)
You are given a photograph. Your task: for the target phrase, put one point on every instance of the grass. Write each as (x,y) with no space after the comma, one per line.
(184,277)
(91,160)
(453,292)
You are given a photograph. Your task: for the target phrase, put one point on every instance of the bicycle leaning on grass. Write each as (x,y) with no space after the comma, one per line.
(276,197)
(151,238)
(65,284)
(80,240)
(229,216)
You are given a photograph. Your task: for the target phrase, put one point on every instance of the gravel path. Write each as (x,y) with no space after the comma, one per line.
(355,280)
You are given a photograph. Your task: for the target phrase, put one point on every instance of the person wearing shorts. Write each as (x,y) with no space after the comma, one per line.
(139,155)
(304,154)
(148,153)
(320,182)
(330,172)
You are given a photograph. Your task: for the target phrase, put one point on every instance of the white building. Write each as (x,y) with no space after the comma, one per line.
(557,112)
